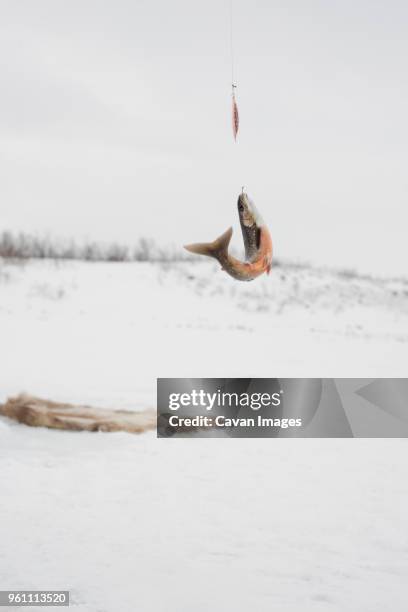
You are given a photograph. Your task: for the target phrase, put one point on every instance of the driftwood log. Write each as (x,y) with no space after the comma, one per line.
(38,412)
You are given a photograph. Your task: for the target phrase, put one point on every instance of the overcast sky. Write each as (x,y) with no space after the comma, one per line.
(115,122)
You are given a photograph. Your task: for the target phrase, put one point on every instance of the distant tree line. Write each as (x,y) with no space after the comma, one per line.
(28,246)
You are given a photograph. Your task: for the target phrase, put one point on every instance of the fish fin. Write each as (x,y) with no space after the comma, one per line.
(211,249)
(267,264)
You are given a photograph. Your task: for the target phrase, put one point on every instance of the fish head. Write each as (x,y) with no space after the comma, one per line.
(248,214)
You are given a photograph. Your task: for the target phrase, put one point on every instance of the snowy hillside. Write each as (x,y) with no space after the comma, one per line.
(131,522)
(101,333)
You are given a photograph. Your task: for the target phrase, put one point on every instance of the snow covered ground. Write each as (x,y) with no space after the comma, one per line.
(136,523)
(103,333)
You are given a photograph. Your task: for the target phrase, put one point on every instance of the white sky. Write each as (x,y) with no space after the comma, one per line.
(115,122)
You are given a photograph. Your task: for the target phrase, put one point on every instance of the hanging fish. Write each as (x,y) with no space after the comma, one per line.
(257,242)
(235,114)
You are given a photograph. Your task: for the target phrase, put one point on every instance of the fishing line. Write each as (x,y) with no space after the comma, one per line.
(231,43)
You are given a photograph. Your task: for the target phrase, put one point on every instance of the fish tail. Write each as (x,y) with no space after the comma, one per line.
(214,249)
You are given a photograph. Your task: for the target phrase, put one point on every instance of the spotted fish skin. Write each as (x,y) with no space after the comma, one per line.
(257,242)
(251,223)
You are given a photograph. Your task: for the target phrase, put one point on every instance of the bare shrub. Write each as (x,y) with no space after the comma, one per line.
(23,246)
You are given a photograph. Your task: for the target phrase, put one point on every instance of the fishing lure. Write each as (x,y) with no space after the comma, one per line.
(235,114)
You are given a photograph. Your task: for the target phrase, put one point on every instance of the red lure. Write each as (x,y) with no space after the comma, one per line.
(235,116)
